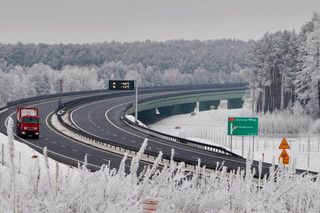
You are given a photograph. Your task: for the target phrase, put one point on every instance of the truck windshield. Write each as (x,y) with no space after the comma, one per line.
(30,120)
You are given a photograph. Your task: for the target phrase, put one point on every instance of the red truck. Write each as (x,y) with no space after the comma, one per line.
(28,122)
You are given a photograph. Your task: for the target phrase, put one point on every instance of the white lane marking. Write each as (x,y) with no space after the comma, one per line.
(4,110)
(123,138)
(165,144)
(63,146)
(46,139)
(158,148)
(114,135)
(73,141)
(53,142)
(171,145)
(133,141)
(49,151)
(74,150)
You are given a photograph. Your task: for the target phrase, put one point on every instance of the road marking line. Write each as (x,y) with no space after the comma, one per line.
(63,146)
(74,150)
(156,141)
(53,142)
(123,138)
(46,139)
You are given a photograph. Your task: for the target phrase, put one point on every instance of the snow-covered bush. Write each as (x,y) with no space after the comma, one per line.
(46,189)
(284,122)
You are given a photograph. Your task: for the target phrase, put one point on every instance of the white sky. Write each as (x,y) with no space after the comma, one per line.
(87,21)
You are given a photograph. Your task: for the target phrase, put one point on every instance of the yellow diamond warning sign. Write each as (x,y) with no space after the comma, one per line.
(284,144)
(284,157)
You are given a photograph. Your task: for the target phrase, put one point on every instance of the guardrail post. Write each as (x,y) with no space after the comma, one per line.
(2,154)
(19,162)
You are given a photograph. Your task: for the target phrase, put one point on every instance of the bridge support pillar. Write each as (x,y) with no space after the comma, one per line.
(235,103)
(184,108)
(207,105)
(147,115)
(166,110)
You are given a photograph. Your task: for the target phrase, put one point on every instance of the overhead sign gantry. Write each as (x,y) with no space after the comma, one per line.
(121,85)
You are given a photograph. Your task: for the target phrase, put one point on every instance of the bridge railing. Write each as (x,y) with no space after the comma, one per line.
(175,139)
(61,110)
(99,142)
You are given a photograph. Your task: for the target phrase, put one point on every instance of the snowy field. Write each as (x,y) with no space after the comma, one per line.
(46,187)
(211,127)
(29,184)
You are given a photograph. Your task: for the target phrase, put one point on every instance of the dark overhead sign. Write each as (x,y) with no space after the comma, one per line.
(121,85)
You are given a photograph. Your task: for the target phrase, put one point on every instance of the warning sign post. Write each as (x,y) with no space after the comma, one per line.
(284,156)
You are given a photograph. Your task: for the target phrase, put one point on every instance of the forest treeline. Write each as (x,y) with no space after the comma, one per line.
(186,56)
(282,68)
(36,69)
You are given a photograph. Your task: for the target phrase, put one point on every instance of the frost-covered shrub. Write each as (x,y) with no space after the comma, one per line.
(46,189)
(284,122)
(110,190)
(315,127)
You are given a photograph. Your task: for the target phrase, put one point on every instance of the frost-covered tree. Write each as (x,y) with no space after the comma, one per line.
(308,75)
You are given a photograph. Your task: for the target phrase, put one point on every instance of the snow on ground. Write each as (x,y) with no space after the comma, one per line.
(212,126)
(24,157)
(44,187)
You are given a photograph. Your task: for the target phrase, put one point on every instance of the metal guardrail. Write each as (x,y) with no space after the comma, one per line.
(60,112)
(69,105)
(186,142)
(121,147)
(190,143)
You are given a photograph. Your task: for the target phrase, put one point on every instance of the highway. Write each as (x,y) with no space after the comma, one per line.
(102,118)
(60,147)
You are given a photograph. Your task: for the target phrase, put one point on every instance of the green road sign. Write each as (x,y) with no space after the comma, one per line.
(121,85)
(242,126)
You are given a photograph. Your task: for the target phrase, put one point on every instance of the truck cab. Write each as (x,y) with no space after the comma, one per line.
(28,122)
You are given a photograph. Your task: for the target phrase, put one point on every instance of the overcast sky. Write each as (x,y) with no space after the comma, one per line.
(87,21)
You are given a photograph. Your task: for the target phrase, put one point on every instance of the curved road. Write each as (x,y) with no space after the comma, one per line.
(60,147)
(102,118)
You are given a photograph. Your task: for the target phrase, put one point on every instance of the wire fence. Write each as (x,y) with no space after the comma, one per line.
(298,142)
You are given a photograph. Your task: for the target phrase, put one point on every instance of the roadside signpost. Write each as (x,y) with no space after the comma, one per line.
(243,126)
(284,144)
(284,156)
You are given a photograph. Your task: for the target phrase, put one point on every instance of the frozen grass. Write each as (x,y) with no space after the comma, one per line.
(47,189)
(53,188)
